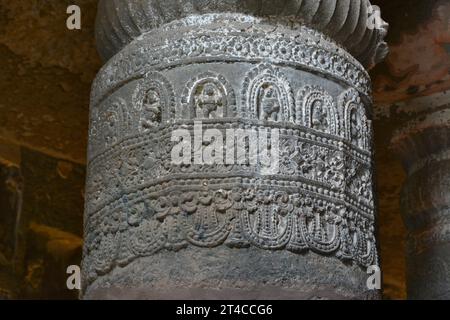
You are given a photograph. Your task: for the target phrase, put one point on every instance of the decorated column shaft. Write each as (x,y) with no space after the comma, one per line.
(424,146)
(230,150)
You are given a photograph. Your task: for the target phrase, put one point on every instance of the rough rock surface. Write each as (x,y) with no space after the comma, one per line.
(46,75)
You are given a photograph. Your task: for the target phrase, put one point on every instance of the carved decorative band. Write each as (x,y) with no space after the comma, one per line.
(305,49)
(266,95)
(320,198)
(238,218)
(323,201)
(323,162)
(143,203)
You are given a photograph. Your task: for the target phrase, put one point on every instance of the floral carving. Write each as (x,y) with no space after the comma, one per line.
(239,218)
(321,198)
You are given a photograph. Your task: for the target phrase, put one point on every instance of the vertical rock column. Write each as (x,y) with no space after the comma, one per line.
(424,146)
(299,226)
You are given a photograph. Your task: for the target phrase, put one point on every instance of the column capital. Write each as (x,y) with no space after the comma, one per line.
(354,24)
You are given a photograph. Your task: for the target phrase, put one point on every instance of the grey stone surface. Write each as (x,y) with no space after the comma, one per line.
(155,229)
(424,147)
(226,273)
(346,21)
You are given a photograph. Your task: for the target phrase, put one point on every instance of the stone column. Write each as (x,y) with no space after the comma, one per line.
(288,75)
(424,146)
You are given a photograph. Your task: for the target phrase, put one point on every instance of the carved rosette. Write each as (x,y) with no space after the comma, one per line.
(424,147)
(229,71)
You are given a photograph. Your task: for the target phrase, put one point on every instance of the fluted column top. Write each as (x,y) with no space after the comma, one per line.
(351,23)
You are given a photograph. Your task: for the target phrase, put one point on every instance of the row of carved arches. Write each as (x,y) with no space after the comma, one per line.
(266,95)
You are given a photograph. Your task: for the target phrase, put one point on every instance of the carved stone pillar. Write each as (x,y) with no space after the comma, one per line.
(292,69)
(424,146)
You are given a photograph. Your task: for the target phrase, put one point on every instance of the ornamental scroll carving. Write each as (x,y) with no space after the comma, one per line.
(237,218)
(287,80)
(139,203)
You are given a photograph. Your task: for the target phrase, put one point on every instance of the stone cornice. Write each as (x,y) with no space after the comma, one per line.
(347,22)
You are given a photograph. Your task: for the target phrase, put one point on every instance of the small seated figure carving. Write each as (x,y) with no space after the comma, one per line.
(208,101)
(270,105)
(151,110)
(319,119)
(355,128)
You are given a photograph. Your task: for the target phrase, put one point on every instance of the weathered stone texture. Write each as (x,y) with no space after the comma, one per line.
(41,205)
(46,75)
(10,198)
(47,71)
(238,70)
(391,230)
(344,21)
(424,147)
(419,42)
